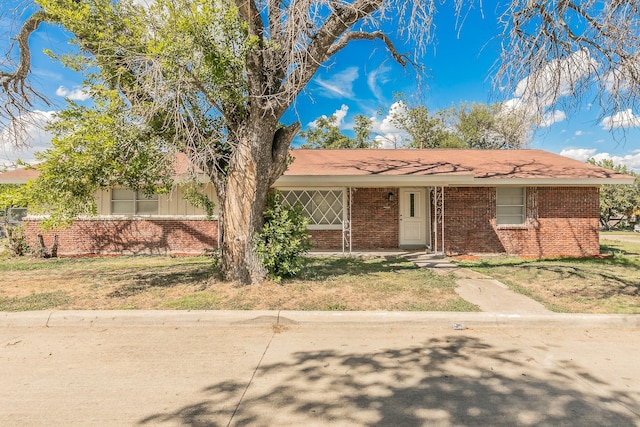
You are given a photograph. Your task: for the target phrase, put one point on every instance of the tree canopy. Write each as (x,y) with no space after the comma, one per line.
(618,203)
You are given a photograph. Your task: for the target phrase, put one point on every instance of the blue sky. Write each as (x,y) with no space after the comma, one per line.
(363,78)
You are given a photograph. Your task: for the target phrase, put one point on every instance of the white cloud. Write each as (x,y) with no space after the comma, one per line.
(556,78)
(535,95)
(552,117)
(388,135)
(75,94)
(631,160)
(582,154)
(340,85)
(376,78)
(25,136)
(579,133)
(622,119)
(340,115)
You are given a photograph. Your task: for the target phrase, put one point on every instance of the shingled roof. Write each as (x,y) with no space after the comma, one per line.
(367,167)
(453,166)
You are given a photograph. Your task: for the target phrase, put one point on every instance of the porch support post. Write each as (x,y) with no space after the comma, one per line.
(442,218)
(438,218)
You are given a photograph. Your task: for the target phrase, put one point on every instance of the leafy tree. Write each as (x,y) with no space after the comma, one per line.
(423,129)
(618,203)
(489,126)
(212,79)
(325,133)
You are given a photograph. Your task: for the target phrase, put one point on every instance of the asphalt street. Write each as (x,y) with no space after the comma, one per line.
(295,368)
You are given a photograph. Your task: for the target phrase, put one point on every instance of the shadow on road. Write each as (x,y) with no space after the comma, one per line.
(458,380)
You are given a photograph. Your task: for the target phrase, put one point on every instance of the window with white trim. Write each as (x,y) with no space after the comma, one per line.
(510,206)
(129,202)
(324,208)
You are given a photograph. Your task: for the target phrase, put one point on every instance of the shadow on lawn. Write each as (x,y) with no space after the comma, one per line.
(162,277)
(457,380)
(319,268)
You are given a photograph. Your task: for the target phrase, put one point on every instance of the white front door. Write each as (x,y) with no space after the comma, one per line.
(413,217)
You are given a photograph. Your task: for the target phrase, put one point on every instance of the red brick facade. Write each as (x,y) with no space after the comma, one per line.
(560,221)
(124,236)
(374,222)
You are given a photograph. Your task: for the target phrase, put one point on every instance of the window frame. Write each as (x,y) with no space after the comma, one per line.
(137,197)
(313,199)
(522,206)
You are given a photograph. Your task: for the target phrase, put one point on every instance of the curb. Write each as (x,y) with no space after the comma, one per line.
(175,318)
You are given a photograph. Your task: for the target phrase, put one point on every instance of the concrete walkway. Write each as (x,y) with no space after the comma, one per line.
(485,292)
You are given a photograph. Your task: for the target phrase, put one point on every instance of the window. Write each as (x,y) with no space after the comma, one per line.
(510,205)
(324,208)
(128,202)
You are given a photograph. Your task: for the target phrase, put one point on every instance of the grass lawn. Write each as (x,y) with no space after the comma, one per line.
(576,285)
(188,283)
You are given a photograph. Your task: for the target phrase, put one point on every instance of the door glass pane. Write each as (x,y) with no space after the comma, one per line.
(412,205)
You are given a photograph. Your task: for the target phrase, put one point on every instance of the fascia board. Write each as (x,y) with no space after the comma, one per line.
(372,180)
(588,182)
(440,180)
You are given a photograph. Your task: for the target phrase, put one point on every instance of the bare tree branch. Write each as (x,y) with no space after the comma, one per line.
(343,41)
(17,91)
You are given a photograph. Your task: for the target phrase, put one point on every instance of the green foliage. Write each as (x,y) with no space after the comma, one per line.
(12,195)
(284,238)
(423,129)
(472,125)
(489,127)
(619,204)
(326,134)
(95,148)
(193,195)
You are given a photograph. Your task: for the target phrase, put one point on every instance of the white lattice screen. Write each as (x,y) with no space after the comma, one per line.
(323,207)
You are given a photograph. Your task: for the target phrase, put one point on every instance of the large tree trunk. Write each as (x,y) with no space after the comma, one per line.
(260,158)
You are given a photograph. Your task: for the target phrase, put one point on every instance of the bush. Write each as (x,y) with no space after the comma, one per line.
(17,241)
(284,238)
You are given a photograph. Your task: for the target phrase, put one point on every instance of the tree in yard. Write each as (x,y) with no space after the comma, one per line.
(423,129)
(212,78)
(472,125)
(489,126)
(325,133)
(618,203)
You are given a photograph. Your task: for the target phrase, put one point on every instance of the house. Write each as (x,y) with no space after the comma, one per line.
(521,202)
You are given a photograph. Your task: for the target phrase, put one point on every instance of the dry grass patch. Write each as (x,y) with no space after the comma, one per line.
(190,284)
(610,284)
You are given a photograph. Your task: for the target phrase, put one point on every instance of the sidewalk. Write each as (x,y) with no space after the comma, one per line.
(485,292)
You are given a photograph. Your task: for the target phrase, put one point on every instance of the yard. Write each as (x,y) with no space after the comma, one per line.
(186,283)
(610,284)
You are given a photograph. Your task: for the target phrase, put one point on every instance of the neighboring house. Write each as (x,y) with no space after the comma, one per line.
(521,202)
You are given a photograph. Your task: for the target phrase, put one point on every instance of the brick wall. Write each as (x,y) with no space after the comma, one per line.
(374,219)
(374,222)
(561,221)
(126,236)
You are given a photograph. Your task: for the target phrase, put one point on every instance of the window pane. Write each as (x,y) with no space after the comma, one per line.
(149,207)
(510,207)
(122,207)
(121,194)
